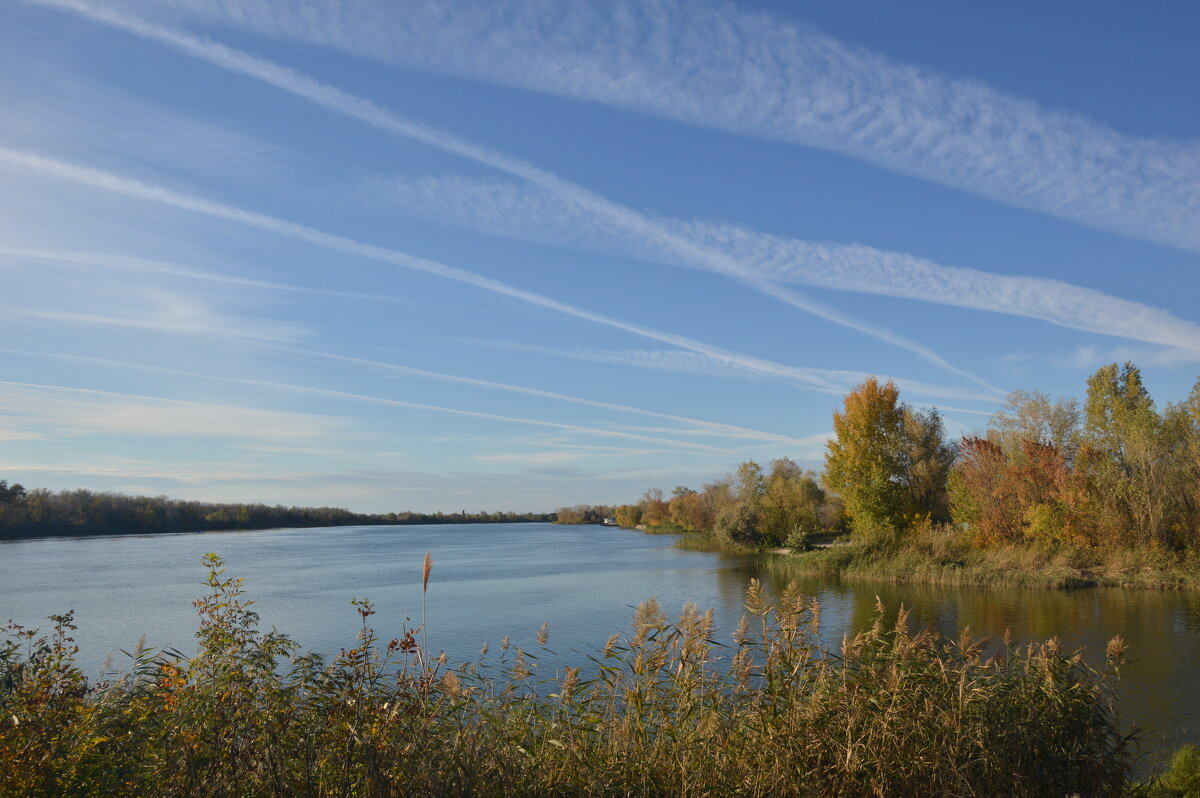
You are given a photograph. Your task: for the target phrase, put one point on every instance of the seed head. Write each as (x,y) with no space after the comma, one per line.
(425,572)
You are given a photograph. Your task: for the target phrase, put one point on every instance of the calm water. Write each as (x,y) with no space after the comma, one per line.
(492,580)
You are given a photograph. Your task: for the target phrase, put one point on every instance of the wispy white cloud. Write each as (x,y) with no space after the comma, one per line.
(65,412)
(559,456)
(110,261)
(524,487)
(697,426)
(358,398)
(713,65)
(1091,357)
(47,105)
(854,267)
(810,447)
(530,458)
(145,470)
(692,426)
(812,378)
(673,360)
(628,219)
(517,210)
(667,360)
(10,431)
(171,313)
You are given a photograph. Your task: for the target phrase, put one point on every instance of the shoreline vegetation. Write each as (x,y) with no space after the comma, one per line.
(944,556)
(1051,495)
(39,513)
(663,709)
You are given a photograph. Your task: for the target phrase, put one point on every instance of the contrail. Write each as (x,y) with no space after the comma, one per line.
(757,74)
(135,188)
(356,397)
(677,361)
(528,213)
(366,111)
(702,427)
(125,262)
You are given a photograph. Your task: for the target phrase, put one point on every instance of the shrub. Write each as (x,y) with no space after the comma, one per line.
(798,540)
(1182,779)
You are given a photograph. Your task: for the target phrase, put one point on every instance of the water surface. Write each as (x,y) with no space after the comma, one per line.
(492,580)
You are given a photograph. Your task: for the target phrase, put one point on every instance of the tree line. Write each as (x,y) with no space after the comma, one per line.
(36,512)
(584,514)
(1116,472)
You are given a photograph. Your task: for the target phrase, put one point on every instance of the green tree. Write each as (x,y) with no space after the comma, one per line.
(791,501)
(1118,409)
(1125,458)
(925,463)
(11,494)
(739,524)
(749,484)
(863,463)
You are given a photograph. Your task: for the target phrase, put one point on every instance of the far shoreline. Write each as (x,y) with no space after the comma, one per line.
(73,533)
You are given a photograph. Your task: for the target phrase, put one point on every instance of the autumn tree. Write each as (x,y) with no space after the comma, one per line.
(862,462)
(749,485)
(925,462)
(739,524)
(791,501)
(1031,496)
(1127,477)
(982,496)
(1052,497)
(1189,410)
(1032,416)
(1124,457)
(688,510)
(715,497)
(628,515)
(888,462)
(655,510)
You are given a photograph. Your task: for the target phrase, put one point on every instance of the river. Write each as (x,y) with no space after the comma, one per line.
(492,580)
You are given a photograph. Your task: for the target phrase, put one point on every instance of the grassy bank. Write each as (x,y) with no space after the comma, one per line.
(943,556)
(663,709)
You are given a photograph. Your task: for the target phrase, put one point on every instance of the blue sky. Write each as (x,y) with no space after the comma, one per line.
(515,255)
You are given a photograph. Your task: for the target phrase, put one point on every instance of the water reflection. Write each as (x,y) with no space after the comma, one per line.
(1162,630)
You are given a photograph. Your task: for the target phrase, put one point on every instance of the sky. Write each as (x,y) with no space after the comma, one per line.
(520,254)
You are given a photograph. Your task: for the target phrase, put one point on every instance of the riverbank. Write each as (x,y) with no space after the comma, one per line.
(942,556)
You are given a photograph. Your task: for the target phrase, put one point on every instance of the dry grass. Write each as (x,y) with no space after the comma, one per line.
(664,709)
(944,556)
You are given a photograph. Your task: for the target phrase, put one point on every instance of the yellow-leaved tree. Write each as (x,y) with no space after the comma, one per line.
(888,462)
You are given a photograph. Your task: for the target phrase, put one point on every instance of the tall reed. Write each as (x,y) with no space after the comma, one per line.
(665,708)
